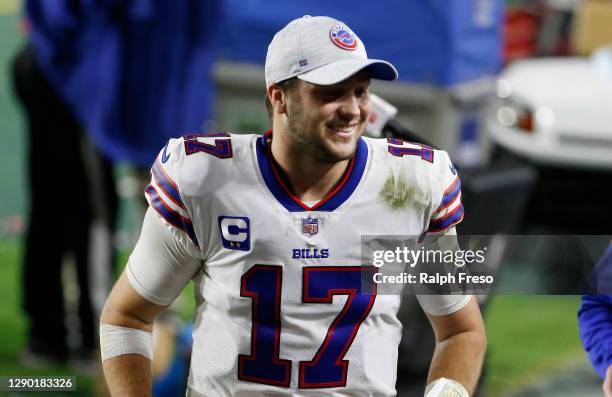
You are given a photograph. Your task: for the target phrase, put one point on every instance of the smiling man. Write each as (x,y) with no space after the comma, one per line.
(269,229)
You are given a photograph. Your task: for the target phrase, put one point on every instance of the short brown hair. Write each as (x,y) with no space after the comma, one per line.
(285,86)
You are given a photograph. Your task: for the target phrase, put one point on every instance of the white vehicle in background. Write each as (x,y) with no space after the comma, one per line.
(556,114)
(556,111)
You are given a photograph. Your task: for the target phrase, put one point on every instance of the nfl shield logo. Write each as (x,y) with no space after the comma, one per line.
(310,226)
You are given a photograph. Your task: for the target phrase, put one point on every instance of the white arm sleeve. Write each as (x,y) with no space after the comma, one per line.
(440,305)
(161,264)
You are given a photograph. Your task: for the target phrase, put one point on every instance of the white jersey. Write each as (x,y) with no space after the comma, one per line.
(276,281)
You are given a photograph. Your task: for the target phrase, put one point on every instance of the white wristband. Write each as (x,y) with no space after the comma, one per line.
(116,341)
(445,388)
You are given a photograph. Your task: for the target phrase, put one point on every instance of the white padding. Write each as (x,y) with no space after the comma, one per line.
(445,388)
(116,341)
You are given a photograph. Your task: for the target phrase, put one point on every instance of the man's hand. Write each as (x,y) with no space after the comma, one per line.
(607,385)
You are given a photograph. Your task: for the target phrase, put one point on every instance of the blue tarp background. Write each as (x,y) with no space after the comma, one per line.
(436,42)
(135,73)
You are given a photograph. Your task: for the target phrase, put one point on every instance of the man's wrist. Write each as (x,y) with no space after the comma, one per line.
(444,387)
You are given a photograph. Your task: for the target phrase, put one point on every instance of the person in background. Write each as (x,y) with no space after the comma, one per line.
(71,190)
(101,82)
(595,322)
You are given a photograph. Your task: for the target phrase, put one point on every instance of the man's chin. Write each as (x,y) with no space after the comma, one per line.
(337,152)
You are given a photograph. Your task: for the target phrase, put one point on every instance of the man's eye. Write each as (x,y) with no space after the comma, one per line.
(362,93)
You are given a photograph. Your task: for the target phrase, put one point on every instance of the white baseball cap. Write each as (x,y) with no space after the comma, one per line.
(322,51)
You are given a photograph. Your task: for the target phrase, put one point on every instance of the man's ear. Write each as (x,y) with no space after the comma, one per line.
(278,99)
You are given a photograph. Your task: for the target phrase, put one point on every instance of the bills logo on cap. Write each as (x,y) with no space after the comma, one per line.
(343,38)
(310,226)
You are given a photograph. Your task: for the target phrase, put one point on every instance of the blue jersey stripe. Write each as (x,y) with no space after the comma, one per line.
(170,215)
(448,220)
(167,184)
(449,196)
(361,158)
(351,183)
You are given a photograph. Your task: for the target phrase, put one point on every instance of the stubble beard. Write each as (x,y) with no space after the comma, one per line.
(313,145)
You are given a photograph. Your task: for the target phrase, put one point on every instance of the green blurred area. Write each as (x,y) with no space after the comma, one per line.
(12,155)
(530,337)
(13,325)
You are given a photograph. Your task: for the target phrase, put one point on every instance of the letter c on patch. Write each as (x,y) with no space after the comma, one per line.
(235,232)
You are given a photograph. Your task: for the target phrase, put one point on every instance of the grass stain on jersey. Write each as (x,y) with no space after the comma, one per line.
(397,194)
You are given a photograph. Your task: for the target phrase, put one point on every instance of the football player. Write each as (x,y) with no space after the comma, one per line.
(269,228)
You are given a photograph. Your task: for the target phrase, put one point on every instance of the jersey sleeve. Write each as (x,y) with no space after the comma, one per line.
(161,264)
(446,196)
(595,321)
(163,193)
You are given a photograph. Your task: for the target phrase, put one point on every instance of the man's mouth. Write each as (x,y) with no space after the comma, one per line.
(344,130)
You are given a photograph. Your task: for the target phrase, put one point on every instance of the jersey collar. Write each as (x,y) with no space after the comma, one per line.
(332,200)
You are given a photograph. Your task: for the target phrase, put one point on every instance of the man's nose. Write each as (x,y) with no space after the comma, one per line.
(349,108)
